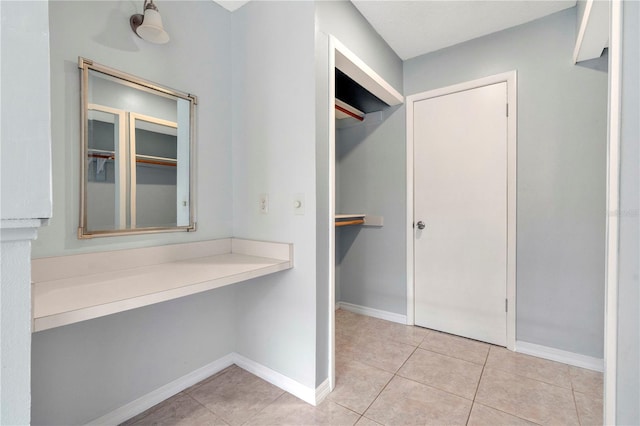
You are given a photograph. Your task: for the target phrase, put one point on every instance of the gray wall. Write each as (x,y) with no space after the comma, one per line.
(195,61)
(628,375)
(371,179)
(274,153)
(342,20)
(86,370)
(562,112)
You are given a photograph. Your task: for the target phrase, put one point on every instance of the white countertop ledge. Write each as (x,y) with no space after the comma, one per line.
(70,289)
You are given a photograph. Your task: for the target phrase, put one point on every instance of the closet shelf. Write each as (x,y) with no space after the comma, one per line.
(349,222)
(358,219)
(349,219)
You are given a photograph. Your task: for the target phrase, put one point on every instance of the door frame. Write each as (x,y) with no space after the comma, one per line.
(511,79)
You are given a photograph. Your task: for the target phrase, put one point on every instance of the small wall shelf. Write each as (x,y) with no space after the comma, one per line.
(70,289)
(357,219)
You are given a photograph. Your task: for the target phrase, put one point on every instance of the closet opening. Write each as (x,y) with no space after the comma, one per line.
(358,99)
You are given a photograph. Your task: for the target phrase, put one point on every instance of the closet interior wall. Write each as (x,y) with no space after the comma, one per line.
(370,260)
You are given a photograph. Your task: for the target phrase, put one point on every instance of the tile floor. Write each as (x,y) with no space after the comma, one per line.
(391,374)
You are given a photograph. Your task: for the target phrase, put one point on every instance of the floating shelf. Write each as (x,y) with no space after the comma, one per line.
(70,289)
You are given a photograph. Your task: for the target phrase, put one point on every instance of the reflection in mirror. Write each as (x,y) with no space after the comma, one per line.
(137,147)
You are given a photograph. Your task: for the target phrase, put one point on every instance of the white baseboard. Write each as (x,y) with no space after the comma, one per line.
(571,358)
(147,401)
(299,390)
(371,312)
(132,409)
(322,391)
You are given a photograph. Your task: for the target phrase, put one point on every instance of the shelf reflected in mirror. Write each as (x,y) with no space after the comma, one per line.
(137,149)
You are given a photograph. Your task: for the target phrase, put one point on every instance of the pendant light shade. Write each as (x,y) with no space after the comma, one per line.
(149,27)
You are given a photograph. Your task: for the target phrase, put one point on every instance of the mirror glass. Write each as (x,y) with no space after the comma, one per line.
(137,149)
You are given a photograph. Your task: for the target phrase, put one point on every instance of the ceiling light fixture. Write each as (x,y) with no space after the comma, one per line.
(149,27)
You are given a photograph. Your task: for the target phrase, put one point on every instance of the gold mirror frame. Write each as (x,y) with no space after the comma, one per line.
(87,65)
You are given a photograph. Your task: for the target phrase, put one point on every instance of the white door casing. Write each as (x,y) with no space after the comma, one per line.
(461,267)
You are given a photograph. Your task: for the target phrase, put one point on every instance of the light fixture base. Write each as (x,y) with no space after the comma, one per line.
(135,21)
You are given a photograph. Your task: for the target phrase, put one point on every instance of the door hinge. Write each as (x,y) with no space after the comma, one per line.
(506,305)
(507,110)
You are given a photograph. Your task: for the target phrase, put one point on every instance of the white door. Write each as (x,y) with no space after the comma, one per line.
(460,194)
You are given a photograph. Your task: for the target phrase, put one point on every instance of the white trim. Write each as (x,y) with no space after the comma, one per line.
(140,405)
(347,62)
(147,401)
(332,211)
(410,253)
(119,148)
(371,312)
(322,391)
(299,390)
(20,229)
(612,220)
(593,34)
(553,354)
(511,79)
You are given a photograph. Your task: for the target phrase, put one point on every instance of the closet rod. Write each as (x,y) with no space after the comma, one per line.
(349,113)
(350,222)
(138,160)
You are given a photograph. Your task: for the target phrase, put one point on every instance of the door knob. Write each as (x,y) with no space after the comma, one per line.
(421,225)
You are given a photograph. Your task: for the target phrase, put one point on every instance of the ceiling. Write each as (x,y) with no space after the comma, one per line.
(413,28)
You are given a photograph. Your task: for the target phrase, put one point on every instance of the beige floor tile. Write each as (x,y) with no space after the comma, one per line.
(456,346)
(532,367)
(366,422)
(351,323)
(383,354)
(487,416)
(405,402)
(236,396)
(289,410)
(443,372)
(357,384)
(208,379)
(587,381)
(180,410)
(406,334)
(589,409)
(527,398)
(344,346)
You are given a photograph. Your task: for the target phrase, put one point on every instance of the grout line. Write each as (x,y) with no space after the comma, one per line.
(473,401)
(507,413)
(206,408)
(575,405)
(389,381)
(405,361)
(433,387)
(537,379)
(262,409)
(530,378)
(453,357)
(378,395)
